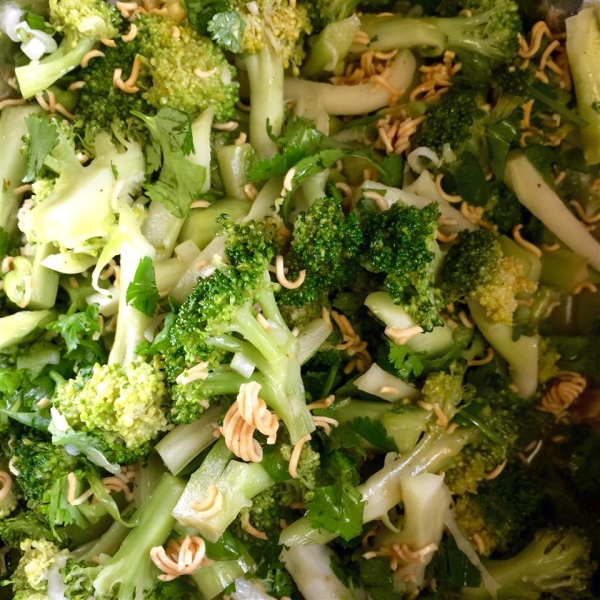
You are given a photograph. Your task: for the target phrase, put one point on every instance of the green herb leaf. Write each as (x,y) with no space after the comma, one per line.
(78,327)
(406,362)
(393,171)
(180,182)
(142,293)
(374,432)
(200,12)
(227,30)
(41,140)
(338,507)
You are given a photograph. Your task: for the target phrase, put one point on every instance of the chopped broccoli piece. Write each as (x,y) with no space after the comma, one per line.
(326,243)
(401,243)
(476,268)
(82,24)
(40,558)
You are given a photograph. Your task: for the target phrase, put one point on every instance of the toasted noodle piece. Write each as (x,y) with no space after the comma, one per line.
(131,34)
(466,320)
(495,472)
(550,247)
(326,423)
(107,42)
(6,481)
(564,389)
(321,404)
(293,466)
(585,285)
(91,54)
(212,503)
(229,126)
(402,552)
(472,213)
(377,198)
(516,231)
(250,191)
(538,31)
(478,362)
(12,102)
(22,189)
(250,529)
(282,279)
(287,181)
(204,74)
(71,499)
(588,219)
(446,239)
(199,371)
(327,318)
(255,412)
(241,139)
(402,336)
(442,419)
(238,435)
(180,557)
(200,204)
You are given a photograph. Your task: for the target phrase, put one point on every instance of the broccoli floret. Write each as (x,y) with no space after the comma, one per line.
(82,24)
(456,119)
(30,579)
(401,243)
(326,243)
(122,401)
(503,208)
(556,562)
(548,360)
(269,35)
(172,63)
(476,268)
(23,525)
(226,303)
(501,510)
(490,33)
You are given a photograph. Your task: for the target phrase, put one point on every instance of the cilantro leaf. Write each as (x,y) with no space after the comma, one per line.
(338,506)
(374,432)
(227,29)
(41,140)
(142,292)
(75,328)
(200,12)
(180,182)
(376,577)
(393,171)
(406,362)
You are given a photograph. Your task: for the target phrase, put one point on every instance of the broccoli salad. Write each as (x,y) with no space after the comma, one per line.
(299,300)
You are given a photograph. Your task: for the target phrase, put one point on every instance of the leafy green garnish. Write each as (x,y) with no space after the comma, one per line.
(227,29)
(142,293)
(41,140)
(180,182)
(374,432)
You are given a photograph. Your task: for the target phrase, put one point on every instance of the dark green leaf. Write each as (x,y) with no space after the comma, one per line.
(393,170)
(376,577)
(338,507)
(469,180)
(406,362)
(500,137)
(142,293)
(374,432)
(43,137)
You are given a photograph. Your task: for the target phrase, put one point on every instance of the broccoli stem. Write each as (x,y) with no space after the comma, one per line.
(583,41)
(265,74)
(521,355)
(432,343)
(311,338)
(426,503)
(109,543)
(310,567)
(131,323)
(541,200)
(220,574)
(237,482)
(382,491)
(375,378)
(397,32)
(38,76)
(30,283)
(18,327)
(405,424)
(563,269)
(131,568)
(182,444)
(234,162)
(330,47)
(13,166)
(356,99)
